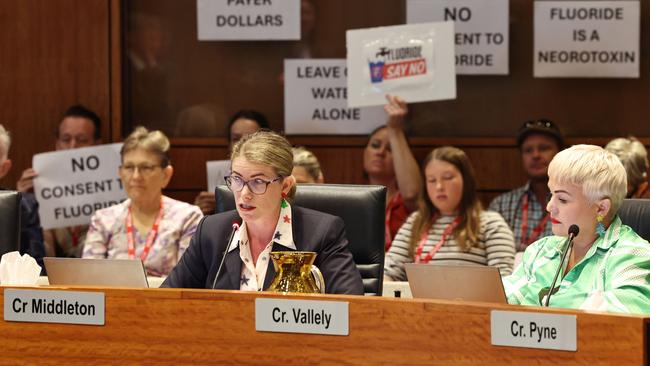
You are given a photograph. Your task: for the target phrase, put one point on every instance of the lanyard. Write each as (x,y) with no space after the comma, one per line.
(434,250)
(525,241)
(388,239)
(130,236)
(74,235)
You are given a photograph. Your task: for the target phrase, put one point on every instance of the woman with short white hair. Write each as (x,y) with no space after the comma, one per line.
(608,267)
(634,158)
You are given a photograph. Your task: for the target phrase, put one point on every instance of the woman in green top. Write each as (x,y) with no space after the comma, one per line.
(609,266)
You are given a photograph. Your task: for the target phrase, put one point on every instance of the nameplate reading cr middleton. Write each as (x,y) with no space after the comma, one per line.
(302,316)
(41,306)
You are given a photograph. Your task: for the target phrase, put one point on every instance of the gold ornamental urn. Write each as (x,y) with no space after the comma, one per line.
(295,272)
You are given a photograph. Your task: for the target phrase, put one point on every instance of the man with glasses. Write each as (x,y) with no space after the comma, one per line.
(79,127)
(524,208)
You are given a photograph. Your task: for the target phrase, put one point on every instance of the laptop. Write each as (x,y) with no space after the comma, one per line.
(456,282)
(96,272)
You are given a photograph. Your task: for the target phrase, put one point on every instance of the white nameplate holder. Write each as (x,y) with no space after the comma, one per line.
(534,330)
(65,307)
(302,316)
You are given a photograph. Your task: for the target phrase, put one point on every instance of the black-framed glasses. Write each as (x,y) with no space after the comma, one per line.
(144,169)
(256,185)
(540,123)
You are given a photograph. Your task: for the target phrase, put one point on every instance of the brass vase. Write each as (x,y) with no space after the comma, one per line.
(295,272)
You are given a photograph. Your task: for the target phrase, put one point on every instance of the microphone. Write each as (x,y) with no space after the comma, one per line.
(573,232)
(235,227)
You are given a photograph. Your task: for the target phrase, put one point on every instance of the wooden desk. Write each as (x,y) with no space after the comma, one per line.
(173,326)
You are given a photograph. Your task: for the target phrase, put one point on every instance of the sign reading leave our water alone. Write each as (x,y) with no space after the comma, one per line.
(481,26)
(415,62)
(73,184)
(315,100)
(245,20)
(587,39)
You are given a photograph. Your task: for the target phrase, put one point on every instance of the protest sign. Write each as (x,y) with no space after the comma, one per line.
(217,169)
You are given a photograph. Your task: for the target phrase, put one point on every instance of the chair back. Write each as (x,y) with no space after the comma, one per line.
(362,209)
(635,213)
(9,221)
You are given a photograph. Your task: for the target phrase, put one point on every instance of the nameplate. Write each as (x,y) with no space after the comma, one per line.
(302,316)
(66,307)
(534,330)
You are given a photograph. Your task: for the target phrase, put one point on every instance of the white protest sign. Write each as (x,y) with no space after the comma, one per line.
(587,39)
(245,20)
(481,26)
(414,62)
(315,100)
(73,184)
(217,169)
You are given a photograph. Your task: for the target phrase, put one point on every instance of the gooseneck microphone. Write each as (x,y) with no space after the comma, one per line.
(573,232)
(235,227)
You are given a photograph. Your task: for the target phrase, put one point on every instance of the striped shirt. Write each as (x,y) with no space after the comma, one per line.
(495,248)
(509,205)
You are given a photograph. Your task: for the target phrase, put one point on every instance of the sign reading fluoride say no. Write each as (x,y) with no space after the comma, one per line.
(481,31)
(245,20)
(73,184)
(315,100)
(587,39)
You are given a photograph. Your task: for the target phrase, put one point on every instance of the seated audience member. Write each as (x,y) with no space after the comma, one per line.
(262,184)
(148,225)
(306,168)
(388,161)
(450,226)
(609,266)
(241,124)
(634,158)
(31,235)
(524,208)
(79,127)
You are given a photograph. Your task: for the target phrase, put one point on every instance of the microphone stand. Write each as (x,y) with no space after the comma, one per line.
(235,227)
(567,249)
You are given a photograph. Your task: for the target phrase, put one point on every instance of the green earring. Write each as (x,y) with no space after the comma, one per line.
(600,227)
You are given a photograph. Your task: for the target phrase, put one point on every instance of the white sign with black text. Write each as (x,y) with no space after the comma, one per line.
(302,316)
(72,184)
(534,330)
(216,171)
(587,39)
(67,307)
(315,100)
(413,61)
(481,26)
(247,20)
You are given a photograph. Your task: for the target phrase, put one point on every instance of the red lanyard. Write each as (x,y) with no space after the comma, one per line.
(130,236)
(434,250)
(525,241)
(389,210)
(74,235)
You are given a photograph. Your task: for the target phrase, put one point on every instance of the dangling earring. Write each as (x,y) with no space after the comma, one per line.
(283,202)
(600,227)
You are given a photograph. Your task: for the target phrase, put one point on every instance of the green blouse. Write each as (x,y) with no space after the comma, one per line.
(613,275)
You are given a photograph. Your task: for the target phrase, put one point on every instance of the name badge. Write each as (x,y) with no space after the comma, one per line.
(66,307)
(302,316)
(534,330)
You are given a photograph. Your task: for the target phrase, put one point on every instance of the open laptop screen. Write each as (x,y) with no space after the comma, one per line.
(96,272)
(456,282)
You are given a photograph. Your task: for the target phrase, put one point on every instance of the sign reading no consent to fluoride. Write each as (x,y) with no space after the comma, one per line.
(73,184)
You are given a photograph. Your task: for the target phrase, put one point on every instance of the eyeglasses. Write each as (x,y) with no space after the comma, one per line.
(144,169)
(257,185)
(543,123)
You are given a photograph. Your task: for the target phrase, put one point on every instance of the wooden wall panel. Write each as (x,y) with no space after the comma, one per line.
(52,54)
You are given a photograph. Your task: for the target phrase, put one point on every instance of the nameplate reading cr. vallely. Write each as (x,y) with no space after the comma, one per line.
(67,307)
(302,316)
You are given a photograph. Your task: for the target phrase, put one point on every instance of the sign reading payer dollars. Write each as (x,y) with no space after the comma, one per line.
(302,316)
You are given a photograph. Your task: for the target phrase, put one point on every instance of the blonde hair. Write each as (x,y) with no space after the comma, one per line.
(634,158)
(306,159)
(5,142)
(267,148)
(598,171)
(152,141)
(466,233)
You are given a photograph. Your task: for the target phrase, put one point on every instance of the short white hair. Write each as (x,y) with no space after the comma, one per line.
(634,158)
(5,142)
(598,171)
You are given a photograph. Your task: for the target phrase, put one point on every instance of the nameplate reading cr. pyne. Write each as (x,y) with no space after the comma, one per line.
(534,330)
(302,316)
(42,306)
